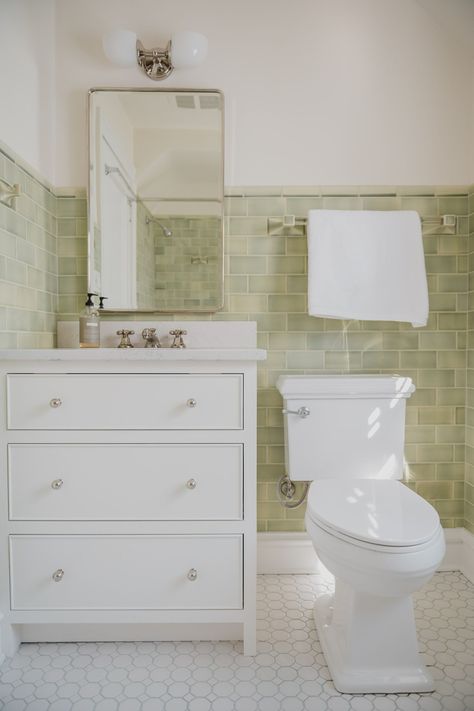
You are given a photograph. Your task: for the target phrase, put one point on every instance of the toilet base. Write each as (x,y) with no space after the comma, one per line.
(369,643)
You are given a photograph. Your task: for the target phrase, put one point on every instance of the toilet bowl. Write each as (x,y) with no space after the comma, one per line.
(380,540)
(367,628)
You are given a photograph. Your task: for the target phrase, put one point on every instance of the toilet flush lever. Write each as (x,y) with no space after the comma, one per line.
(301,412)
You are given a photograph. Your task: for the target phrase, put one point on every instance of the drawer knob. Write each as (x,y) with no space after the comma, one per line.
(57,484)
(192,575)
(191,483)
(58,575)
(56,402)
(191,402)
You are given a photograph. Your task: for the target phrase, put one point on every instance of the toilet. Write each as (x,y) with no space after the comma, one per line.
(380,540)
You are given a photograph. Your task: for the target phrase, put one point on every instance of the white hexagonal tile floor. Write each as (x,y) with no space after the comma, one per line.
(288,673)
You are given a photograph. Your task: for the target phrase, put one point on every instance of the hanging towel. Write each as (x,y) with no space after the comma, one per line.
(367,265)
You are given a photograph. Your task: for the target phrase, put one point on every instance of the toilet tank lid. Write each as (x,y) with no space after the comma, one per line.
(345,386)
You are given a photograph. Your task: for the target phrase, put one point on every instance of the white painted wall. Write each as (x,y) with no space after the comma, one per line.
(27,90)
(317,91)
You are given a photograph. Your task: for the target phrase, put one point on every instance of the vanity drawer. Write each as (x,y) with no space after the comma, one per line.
(125,481)
(125,401)
(126,572)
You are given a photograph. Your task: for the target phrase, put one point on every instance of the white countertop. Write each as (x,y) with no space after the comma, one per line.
(133,354)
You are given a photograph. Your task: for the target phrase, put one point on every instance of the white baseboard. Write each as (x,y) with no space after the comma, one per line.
(293,553)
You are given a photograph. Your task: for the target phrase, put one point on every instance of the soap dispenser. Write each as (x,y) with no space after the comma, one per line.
(89,324)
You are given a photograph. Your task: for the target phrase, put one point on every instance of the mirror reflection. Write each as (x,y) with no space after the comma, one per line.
(156,199)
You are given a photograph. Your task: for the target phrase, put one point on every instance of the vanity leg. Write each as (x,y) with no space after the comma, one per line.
(250,639)
(9,639)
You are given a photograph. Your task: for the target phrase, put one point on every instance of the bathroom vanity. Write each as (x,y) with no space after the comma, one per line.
(128,495)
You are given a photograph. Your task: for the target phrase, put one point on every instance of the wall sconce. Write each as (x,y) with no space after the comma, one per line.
(185,49)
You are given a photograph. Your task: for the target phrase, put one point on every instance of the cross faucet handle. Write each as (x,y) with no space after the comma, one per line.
(125,340)
(178,341)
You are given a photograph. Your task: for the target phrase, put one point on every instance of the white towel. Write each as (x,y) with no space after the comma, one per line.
(367,265)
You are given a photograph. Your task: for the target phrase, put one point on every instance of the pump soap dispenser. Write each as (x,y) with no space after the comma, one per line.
(89,325)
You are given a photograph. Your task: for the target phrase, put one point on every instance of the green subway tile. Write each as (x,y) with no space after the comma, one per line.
(441,264)
(235,206)
(452,282)
(342,202)
(248,265)
(363,341)
(269,322)
(248,226)
(452,359)
(287,341)
(436,378)
(450,471)
(436,415)
(420,434)
(304,322)
(343,361)
(289,302)
(422,472)
(423,396)
(296,284)
(273,284)
(268,206)
(296,245)
(283,526)
(418,359)
(265,245)
(452,321)
(324,341)
(299,206)
(443,302)
(450,434)
(451,396)
(435,453)
(400,341)
(453,205)
(270,472)
(286,265)
(425,206)
(381,359)
(443,340)
(248,302)
(435,490)
(305,360)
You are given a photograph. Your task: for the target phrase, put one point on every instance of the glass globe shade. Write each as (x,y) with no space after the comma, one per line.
(188,49)
(120,47)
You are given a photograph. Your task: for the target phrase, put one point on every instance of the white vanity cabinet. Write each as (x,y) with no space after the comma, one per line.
(128,495)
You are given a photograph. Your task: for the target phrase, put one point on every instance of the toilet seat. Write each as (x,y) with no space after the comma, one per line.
(372,513)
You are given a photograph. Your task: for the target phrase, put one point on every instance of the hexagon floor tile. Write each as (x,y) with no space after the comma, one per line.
(288,673)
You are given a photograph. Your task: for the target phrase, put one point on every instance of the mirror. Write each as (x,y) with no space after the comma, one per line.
(156,199)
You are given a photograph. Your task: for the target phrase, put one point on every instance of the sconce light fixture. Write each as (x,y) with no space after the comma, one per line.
(185,49)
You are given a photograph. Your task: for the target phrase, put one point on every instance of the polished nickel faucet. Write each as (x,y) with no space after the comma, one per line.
(150,337)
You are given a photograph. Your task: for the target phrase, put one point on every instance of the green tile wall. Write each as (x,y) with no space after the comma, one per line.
(43,266)
(469,482)
(188,265)
(28,260)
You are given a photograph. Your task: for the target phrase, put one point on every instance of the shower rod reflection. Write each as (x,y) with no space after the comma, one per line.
(166,230)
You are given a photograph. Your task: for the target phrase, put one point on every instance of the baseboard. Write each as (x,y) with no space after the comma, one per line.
(293,553)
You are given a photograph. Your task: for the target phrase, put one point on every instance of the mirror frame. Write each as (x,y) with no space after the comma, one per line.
(175,90)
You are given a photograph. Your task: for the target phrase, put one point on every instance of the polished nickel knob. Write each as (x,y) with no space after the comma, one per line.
(192,575)
(56,402)
(125,340)
(191,483)
(178,341)
(57,484)
(58,575)
(191,402)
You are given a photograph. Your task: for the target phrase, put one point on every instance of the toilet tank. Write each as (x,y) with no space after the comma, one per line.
(355,428)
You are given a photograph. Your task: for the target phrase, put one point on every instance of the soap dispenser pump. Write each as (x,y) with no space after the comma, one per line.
(89,324)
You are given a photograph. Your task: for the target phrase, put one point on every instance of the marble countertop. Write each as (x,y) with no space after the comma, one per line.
(133,354)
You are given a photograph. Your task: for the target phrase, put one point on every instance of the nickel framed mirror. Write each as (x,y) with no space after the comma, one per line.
(156,199)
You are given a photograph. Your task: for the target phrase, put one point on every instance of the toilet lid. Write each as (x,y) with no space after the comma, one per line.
(381,512)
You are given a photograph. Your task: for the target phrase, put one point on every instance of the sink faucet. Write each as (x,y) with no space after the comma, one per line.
(150,337)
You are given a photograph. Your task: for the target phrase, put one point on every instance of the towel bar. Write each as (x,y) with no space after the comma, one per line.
(292,226)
